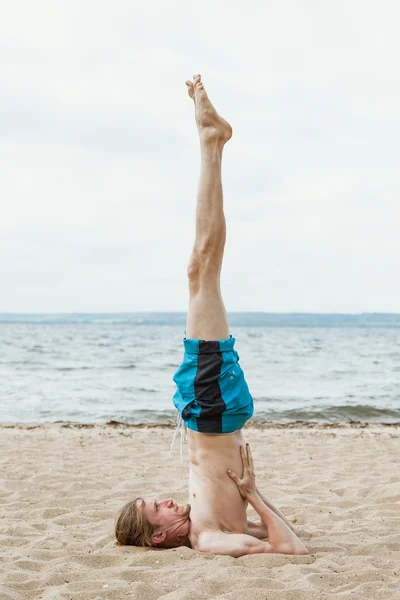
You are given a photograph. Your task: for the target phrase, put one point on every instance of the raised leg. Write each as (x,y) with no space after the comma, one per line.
(207,318)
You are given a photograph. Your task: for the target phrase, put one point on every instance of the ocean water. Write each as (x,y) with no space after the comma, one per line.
(93,368)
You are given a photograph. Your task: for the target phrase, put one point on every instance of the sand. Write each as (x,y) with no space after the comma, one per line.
(61,486)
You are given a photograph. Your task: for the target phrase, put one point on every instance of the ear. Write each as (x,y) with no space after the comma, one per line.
(158,537)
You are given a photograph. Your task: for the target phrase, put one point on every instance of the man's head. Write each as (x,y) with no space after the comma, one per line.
(145,522)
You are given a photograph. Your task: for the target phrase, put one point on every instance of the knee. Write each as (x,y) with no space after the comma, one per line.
(198,264)
(194,276)
(202,275)
(204,262)
(193,269)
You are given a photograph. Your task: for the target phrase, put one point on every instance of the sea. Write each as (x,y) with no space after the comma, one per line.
(93,368)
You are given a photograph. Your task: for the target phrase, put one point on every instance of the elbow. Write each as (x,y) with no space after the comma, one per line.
(302,550)
(293,549)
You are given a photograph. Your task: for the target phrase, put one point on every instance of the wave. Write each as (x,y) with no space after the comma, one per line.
(74,368)
(242,319)
(358,412)
(332,414)
(131,366)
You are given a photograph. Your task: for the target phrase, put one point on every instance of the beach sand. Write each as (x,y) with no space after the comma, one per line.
(61,486)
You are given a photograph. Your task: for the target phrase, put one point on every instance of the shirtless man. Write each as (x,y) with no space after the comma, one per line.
(212,398)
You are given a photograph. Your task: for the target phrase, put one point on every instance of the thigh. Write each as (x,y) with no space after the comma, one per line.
(206,317)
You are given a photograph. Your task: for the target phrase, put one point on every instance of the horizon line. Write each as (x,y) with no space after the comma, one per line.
(154,312)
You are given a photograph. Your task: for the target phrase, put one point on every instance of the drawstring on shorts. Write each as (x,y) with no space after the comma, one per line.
(181,424)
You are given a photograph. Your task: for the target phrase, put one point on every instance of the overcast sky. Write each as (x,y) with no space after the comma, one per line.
(100,155)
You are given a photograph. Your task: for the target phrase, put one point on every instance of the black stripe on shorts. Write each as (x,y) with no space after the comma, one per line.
(206,387)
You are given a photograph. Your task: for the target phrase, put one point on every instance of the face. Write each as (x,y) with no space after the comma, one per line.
(172,519)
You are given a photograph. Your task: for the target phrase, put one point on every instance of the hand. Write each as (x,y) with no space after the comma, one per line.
(247,484)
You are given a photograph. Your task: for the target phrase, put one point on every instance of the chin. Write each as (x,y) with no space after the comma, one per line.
(184,509)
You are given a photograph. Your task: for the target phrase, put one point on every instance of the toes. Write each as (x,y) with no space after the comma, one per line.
(197,83)
(190,88)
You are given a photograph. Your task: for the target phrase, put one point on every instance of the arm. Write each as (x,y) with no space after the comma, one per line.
(281,537)
(257,529)
(272,507)
(233,544)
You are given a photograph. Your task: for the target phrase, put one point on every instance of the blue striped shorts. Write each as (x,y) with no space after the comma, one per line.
(212,395)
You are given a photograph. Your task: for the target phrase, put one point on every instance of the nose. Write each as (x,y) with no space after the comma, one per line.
(170,503)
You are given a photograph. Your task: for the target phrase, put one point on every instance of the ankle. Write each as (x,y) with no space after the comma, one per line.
(212,136)
(211,147)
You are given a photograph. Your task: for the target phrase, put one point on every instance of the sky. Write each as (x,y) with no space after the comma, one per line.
(100,155)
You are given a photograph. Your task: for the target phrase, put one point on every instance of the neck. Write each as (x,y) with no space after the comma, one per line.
(183,540)
(188,542)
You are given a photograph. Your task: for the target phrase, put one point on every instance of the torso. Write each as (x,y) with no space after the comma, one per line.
(216,504)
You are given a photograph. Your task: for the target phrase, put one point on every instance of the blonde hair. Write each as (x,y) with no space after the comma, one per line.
(133,527)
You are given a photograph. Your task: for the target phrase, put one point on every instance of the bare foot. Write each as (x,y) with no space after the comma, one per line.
(212,127)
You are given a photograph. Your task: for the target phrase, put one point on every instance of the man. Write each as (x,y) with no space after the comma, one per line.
(212,398)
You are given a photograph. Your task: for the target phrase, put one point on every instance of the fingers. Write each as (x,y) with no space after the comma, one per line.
(233,475)
(250,457)
(243,453)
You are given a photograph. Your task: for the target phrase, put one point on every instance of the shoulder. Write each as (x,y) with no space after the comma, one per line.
(204,539)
